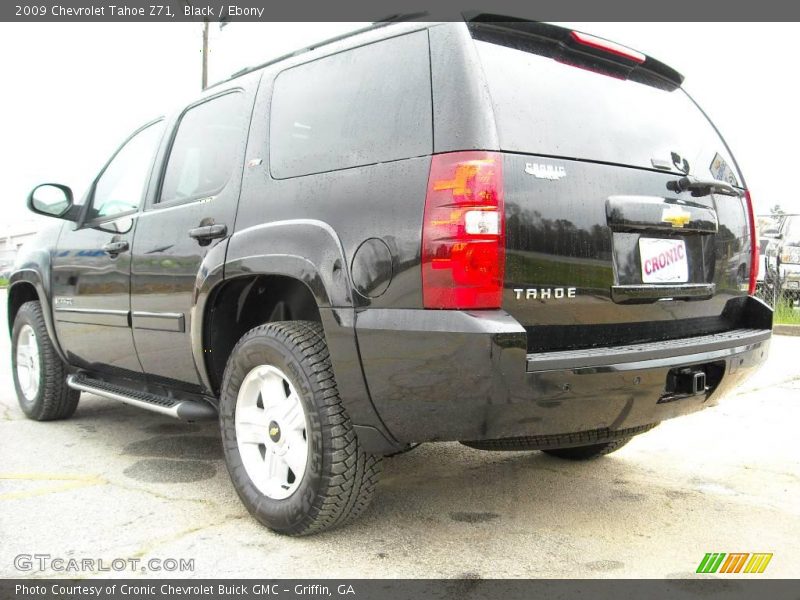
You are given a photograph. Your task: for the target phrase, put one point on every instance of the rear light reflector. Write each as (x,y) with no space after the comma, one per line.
(754,256)
(463,232)
(607,46)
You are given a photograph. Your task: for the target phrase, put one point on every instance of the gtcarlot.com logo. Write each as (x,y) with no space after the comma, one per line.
(48,562)
(735,562)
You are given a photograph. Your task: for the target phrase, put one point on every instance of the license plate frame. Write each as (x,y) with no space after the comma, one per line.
(663,260)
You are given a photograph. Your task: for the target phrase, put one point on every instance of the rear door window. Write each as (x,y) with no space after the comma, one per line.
(204,153)
(362,106)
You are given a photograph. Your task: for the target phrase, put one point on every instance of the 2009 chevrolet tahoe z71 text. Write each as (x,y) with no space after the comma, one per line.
(500,232)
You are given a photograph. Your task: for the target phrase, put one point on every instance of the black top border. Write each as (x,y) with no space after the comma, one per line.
(376,10)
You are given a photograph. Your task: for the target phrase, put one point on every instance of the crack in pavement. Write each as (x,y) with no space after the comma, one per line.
(760,469)
(160,496)
(182,534)
(67,483)
(139,555)
(70,482)
(77,481)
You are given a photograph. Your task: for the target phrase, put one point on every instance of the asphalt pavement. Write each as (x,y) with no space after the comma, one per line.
(115,482)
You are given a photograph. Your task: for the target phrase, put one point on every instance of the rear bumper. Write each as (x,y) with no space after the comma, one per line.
(450,375)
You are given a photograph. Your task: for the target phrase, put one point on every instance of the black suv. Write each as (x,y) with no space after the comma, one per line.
(500,232)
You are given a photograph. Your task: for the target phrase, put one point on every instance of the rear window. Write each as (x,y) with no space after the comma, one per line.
(547,107)
(363,106)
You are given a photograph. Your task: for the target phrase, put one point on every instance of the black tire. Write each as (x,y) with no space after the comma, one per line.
(54,400)
(564,442)
(340,478)
(588,452)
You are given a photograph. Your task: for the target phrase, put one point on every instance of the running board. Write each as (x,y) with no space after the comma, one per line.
(185,410)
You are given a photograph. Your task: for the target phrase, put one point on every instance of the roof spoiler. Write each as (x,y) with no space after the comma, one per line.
(575,48)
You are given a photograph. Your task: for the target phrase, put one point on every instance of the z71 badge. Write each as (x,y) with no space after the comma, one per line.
(544,293)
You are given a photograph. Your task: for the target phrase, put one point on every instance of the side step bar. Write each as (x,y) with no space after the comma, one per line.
(185,410)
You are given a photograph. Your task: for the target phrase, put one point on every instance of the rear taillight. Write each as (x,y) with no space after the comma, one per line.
(463,232)
(754,256)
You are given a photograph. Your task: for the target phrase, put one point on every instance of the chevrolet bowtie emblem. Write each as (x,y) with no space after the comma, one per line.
(676,216)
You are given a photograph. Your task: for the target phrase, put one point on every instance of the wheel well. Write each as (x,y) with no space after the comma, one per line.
(18,295)
(244,303)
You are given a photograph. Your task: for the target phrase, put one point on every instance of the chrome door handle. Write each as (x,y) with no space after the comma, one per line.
(114,248)
(206,233)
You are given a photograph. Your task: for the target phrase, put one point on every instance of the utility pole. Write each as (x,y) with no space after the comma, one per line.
(205,53)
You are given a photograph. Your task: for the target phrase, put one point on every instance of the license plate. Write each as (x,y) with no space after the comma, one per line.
(663,261)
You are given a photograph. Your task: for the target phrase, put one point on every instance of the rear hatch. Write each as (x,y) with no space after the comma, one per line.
(604,246)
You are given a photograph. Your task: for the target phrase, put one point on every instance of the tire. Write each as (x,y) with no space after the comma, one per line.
(42,395)
(338,478)
(588,452)
(566,445)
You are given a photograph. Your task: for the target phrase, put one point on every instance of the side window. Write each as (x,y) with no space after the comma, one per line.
(205,150)
(123,183)
(363,106)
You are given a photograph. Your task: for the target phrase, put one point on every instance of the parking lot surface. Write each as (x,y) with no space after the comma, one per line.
(115,482)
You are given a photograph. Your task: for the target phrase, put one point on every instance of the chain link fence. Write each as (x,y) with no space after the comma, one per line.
(769,289)
(773,291)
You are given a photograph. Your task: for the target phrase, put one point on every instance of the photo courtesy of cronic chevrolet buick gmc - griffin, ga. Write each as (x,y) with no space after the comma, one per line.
(495,231)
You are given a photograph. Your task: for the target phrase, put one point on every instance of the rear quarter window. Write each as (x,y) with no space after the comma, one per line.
(362,106)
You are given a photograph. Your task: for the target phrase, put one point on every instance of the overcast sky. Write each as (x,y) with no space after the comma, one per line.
(72,92)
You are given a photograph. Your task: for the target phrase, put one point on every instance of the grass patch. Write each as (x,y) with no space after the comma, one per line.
(3,282)
(786,314)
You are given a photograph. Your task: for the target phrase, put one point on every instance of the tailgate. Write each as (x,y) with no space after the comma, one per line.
(591,260)
(604,244)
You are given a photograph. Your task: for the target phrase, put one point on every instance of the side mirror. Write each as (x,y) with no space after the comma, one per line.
(52,200)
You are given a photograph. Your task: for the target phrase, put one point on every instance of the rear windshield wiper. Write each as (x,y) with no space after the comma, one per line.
(703,187)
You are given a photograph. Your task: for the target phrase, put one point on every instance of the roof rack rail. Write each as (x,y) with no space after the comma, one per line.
(389,20)
(402,17)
